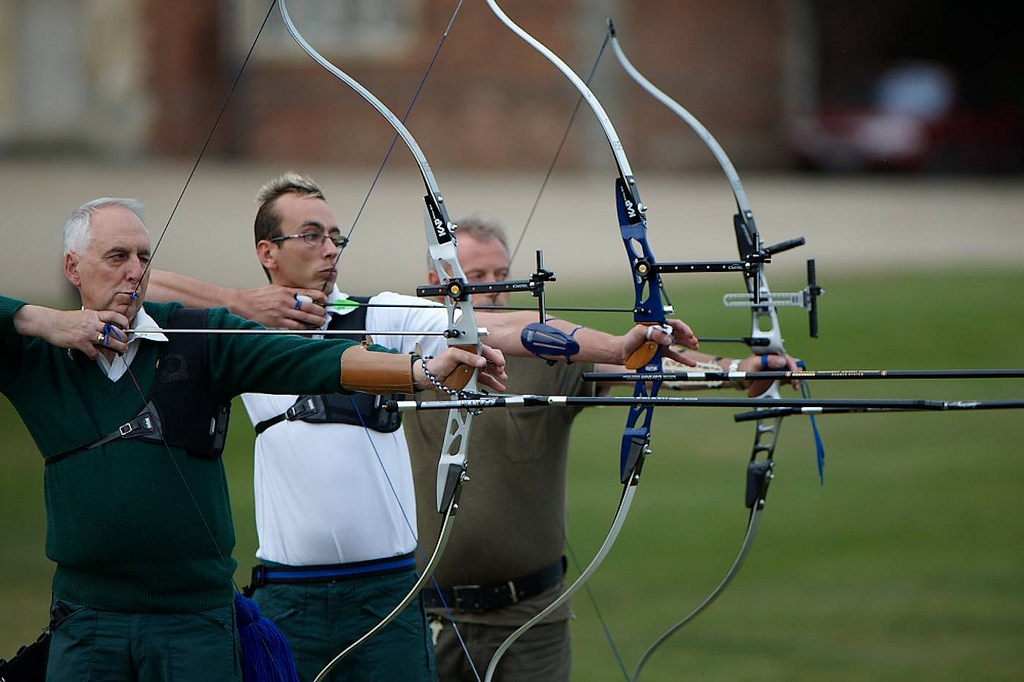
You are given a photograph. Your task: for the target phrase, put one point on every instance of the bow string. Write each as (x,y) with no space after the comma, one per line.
(765,335)
(462,332)
(650,308)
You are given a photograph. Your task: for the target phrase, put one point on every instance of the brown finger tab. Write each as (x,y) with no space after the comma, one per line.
(458,379)
(642,355)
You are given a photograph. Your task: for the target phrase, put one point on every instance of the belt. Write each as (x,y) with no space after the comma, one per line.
(263,574)
(481,598)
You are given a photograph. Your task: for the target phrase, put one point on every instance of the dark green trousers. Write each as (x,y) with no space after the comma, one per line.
(108,646)
(321,619)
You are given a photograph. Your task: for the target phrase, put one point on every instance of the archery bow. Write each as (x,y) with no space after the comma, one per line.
(649,308)
(462,332)
(765,338)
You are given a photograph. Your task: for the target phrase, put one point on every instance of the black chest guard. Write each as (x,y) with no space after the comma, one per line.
(358,409)
(191,416)
(182,411)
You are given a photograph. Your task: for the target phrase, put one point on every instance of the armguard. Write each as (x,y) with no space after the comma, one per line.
(543,339)
(376,372)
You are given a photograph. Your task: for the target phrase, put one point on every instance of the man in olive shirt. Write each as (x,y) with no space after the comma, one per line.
(503,563)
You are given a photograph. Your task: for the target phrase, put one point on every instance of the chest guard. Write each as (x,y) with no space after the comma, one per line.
(181,410)
(192,418)
(357,409)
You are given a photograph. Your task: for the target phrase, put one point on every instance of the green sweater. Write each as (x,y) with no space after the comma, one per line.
(133,526)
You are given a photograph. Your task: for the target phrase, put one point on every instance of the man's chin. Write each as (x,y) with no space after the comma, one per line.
(126,304)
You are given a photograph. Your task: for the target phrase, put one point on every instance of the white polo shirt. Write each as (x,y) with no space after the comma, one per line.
(337,493)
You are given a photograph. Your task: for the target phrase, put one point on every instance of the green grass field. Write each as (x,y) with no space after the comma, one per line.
(905,564)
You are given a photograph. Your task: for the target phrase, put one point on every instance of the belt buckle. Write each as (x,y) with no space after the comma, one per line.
(473,604)
(259,575)
(302,409)
(143,424)
(513,594)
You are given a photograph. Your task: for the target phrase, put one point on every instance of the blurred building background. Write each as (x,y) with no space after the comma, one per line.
(895,85)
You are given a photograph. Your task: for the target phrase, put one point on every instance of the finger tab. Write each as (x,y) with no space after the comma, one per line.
(642,355)
(458,379)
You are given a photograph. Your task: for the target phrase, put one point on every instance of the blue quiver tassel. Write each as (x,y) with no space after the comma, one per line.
(266,656)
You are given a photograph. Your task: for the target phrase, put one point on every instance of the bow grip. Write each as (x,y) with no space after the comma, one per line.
(646,352)
(462,374)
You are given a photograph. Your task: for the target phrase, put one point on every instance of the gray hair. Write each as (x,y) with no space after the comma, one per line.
(481,227)
(78,228)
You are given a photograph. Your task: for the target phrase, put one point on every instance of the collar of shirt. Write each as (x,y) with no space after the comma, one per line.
(150,331)
(146,328)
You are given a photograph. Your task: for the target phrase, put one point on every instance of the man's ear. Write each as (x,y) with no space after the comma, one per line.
(267,254)
(71,269)
(432,278)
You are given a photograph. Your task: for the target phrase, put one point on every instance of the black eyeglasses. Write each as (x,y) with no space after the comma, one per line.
(314,238)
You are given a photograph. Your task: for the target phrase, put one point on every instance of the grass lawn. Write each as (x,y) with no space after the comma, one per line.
(905,564)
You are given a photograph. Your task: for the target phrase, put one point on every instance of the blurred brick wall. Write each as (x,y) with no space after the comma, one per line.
(490,101)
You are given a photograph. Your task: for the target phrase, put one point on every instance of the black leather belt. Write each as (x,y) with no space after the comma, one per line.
(481,598)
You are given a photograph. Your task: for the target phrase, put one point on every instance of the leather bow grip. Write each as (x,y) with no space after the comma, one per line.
(645,353)
(461,375)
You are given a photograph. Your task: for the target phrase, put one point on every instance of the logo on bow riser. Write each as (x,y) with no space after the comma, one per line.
(439,222)
(627,204)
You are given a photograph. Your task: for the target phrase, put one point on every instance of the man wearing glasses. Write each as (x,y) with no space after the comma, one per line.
(130,418)
(334,493)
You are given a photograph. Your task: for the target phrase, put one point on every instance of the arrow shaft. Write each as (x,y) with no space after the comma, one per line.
(823,375)
(762,406)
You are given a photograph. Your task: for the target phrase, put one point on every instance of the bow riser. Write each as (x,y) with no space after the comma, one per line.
(462,331)
(649,308)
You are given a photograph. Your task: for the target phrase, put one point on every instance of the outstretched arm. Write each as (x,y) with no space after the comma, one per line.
(752,363)
(272,306)
(505,329)
(377,372)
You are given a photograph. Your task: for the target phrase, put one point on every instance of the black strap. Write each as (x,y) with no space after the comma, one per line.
(481,598)
(146,423)
(357,409)
(356,319)
(194,415)
(29,664)
(303,408)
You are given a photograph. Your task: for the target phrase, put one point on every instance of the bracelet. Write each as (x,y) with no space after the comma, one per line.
(434,381)
(439,386)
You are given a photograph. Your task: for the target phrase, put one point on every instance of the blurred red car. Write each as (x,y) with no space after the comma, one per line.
(916,121)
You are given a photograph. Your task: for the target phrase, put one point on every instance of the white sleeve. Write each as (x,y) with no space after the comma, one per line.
(429,319)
